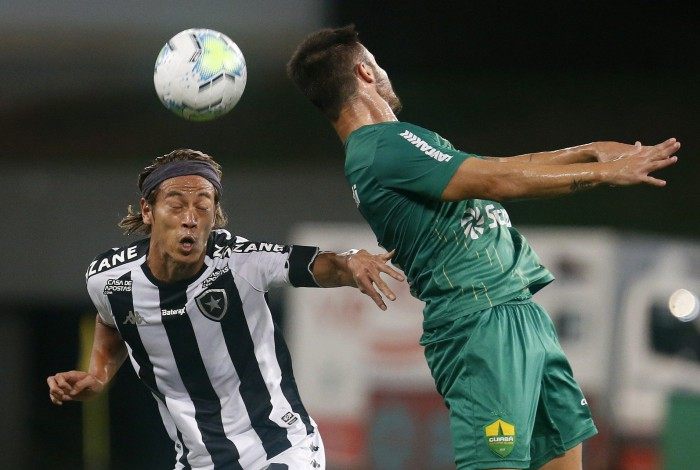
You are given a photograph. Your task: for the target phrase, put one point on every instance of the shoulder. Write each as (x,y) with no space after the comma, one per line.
(413,141)
(415,135)
(401,138)
(225,245)
(117,257)
(257,263)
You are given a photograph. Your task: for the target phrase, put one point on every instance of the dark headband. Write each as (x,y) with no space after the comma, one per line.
(180,168)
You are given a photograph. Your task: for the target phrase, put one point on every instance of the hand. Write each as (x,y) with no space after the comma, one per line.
(73,385)
(366,270)
(634,167)
(608,151)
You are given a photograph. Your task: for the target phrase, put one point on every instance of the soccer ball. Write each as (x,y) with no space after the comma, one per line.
(200,74)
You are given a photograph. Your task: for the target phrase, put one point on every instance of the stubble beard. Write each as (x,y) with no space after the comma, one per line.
(386,91)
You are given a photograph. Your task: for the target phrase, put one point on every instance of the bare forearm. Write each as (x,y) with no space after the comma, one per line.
(548,180)
(579,154)
(516,180)
(623,165)
(108,352)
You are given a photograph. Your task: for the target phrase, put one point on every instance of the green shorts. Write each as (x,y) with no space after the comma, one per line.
(512,398)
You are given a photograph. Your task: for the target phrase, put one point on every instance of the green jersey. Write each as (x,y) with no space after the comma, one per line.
(459,257)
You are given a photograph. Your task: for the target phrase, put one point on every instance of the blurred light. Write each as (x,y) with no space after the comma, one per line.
(684,305)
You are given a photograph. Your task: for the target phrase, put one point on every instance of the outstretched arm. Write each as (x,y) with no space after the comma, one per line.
(586,153)
(108,354)
(357,268)
(503,180)
(580,154)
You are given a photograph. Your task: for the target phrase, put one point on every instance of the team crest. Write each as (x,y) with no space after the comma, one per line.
(213,303)
(500,437)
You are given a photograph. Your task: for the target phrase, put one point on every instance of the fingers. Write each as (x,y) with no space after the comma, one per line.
(655,166)
(668,147)
(367,272)
(56,397)
(654,181)
(55,400)
(373,278)
(635,167)
(383,287)
(658,152)
(58,393)
(72,376)
(371,284)
(368,289)
(671,145)
(388,269)
(62,383)
(55,392)
(666,142)
(660,164)
(385,268)
(81,385)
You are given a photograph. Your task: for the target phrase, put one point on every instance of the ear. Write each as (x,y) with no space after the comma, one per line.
(364,72)
(146,212)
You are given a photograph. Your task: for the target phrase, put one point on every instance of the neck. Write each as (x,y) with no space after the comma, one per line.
(364,109)
(166,269)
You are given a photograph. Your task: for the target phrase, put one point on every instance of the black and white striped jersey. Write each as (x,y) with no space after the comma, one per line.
(208,349)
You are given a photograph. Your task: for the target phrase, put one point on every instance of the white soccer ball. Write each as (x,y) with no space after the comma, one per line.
(200,74)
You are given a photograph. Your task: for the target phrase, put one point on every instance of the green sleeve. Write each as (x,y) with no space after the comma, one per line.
(419,163)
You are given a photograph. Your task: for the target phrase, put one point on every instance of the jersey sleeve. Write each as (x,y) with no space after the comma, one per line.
(419,163)
(278,265)
(98,298)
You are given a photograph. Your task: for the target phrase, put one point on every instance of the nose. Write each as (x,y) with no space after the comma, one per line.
(189,219)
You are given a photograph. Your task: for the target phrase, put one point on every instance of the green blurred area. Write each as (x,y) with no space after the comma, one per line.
(681,432)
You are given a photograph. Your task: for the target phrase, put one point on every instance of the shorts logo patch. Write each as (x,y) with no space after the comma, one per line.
(500,437)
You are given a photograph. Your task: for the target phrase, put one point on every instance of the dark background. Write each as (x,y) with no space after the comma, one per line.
(503,78)
(495,78)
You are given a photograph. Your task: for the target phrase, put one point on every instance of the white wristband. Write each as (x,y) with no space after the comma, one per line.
(349,254)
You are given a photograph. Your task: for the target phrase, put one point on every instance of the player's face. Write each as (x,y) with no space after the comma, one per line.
(182,218)
(384,88)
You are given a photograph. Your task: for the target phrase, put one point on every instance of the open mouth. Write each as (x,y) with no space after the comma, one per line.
(187,242)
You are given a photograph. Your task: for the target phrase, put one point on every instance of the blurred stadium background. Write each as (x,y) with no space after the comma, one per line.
(79,119)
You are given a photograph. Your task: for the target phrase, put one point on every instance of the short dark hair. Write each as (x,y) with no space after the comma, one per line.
(322,68)
(133,220)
